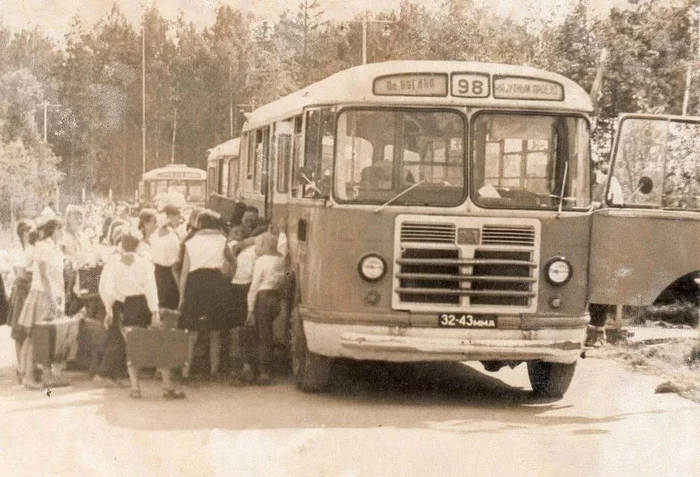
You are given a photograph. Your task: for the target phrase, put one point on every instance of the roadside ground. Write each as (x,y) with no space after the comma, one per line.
(661,351)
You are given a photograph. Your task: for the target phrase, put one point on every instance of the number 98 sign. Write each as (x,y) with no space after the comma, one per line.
(468,85)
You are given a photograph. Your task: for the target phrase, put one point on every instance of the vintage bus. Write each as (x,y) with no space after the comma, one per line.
(435,211)
(173,183)
(645,245)
(222,169)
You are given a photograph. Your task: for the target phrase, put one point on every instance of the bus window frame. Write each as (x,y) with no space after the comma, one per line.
(212,172)
(304,186)
(295,189)
(251,137)
(233,178)
(283,165)
(667,119)
(466,150)
(529,112)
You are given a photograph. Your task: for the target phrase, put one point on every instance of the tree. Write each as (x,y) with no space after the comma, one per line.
(28,167)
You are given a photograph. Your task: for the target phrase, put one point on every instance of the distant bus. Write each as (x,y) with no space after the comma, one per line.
(435,211)
(222,168)
(177,183)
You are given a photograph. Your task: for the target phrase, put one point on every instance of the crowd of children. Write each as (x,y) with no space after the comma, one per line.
(223,285)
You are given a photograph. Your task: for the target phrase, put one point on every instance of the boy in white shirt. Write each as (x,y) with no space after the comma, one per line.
(264,300)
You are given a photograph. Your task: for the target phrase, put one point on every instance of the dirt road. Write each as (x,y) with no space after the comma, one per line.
(377,420)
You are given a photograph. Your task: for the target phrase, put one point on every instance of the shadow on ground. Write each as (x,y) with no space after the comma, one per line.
(447,396)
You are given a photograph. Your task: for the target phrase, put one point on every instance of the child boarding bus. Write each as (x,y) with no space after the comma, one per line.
(645,248)
(435,211)
(174,183)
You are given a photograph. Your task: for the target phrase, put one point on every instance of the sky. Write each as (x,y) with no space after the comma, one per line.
(54,16)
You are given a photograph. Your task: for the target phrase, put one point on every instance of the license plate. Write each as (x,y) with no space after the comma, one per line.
(465,320)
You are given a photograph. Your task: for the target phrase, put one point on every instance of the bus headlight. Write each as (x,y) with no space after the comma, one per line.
(558,271)
(372,267)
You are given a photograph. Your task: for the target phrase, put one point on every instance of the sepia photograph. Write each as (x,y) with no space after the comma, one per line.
(350,238)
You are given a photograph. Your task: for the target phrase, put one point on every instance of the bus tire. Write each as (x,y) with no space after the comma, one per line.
(550,380)
(311,371)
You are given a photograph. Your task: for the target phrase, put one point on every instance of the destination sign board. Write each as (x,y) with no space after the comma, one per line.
(517,87)
(413,84)
(173,175)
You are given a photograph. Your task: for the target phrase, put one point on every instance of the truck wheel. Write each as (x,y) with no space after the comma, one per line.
(311,371)
(550,379)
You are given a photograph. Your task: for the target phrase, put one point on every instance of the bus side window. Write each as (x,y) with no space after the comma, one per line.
(250,166)
(259,158)
(284,132)
(297,155)
(320,139)
(211,181)
(233,166)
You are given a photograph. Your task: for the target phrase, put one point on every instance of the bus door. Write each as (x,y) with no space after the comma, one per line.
(646,235)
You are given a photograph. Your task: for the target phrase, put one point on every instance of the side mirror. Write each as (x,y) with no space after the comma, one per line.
(304,175)
(645,185)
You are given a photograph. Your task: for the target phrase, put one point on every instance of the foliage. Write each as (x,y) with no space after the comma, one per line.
(199,81)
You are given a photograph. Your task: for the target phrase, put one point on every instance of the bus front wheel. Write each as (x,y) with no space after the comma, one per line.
(311,371)
(550,379)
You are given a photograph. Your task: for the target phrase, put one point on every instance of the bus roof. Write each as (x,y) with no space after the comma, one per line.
(229,148)
(359,85)
(175,172)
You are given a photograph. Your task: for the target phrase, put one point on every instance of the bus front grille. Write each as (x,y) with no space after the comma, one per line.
(494,271)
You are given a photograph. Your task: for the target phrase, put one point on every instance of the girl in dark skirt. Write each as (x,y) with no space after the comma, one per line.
(128,289)
(206,293)
(163,247)
(22,267)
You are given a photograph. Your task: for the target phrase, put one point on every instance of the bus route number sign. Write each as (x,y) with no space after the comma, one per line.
(470,85)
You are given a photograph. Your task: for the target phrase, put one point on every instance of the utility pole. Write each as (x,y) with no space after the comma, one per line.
(172,148)
(364,38)
(143,93)
(46,121)
(231,120)
(365,24)
(46,105)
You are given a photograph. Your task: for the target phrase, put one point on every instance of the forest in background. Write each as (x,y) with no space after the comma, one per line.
(90,84)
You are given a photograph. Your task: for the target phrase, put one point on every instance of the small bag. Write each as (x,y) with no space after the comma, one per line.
(88,280)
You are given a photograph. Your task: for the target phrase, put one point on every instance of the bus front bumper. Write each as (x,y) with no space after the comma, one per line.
(405,344)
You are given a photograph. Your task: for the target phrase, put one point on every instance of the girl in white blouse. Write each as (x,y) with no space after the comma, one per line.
(46,296)
(205,292)
(164,245)
(128,290)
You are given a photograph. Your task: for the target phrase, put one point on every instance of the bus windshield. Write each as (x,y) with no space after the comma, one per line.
(382,153)
(530,161)
(191,190)
(657,164)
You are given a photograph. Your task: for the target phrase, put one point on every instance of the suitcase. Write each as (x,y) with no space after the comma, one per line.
(156,347)
(55,340)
